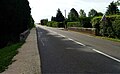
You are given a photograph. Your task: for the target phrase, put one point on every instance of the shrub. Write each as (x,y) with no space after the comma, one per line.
(61,24)
(109,28)
(86,22)
(116,26)
(73,24)
(96,24)
(52,24)
(44,21)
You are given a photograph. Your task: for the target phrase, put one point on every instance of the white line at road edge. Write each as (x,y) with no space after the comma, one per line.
(94,50)
(106,55)
(85,45)
(77,42)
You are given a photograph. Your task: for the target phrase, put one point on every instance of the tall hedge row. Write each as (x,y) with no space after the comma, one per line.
(52,24)
(85,22)
(73,24)
(55,24)
(15,18)
(110,27)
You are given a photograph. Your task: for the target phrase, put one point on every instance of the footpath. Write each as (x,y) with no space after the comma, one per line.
(27,61)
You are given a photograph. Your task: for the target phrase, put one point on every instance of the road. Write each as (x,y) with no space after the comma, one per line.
(67,52)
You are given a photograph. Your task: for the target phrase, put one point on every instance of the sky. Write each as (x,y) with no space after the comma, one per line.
(45,9)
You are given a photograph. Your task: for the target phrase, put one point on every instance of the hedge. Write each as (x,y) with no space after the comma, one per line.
(73,24)
(86,22)
(109,28)
(52,24)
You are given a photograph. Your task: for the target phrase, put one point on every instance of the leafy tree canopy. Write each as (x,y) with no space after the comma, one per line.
(112,9)
(59,16)
(73,15)
(92,13)
(82,13)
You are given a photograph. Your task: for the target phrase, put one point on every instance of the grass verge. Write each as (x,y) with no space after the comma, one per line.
(107,38)
(6,55)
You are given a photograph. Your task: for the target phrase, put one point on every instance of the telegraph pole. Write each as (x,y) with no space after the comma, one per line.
(65,21)
(65,14)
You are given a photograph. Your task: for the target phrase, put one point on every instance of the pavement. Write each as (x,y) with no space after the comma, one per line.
(27,61)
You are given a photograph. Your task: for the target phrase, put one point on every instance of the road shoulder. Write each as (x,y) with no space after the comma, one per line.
(27,61)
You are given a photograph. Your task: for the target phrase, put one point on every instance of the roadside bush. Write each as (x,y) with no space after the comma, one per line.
(96,24)
(110,27)
(52,24)
(116,26)
(86,22)
(44,21)
(73,24)
(61,25)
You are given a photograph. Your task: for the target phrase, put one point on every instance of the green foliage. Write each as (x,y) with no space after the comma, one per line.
(86,22)
(92,13)
(99,14)
(73,15)
(82,13)
(31,23)
(53,18)
(95,21)
(73,24)
(6,55)
(110,27)
(112,9)
(55,24)
(52,24)
(44,21)
(59,16)
(117,3)
(15,18)
(116,26)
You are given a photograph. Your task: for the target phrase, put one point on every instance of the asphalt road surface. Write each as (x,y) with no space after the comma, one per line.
(67,52)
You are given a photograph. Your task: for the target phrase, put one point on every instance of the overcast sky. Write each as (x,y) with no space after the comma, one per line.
(42,9)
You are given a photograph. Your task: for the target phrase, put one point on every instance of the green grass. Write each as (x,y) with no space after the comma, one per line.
(106,38)
(6,55)
(111,39)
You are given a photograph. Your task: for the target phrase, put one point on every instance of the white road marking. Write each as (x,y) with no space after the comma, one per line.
(106,55)
(113,58)
(77,42)
(62,35)
(42,42)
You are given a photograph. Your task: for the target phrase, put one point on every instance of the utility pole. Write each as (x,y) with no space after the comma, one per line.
(65,21)
(65,14)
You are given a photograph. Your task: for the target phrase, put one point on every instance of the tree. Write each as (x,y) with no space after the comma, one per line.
(92,13)
(117,3)
(44,21)
(82,13)
(15,18)
(53,18)
(73,15)
(99,14)
(112,9)
(59,16)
